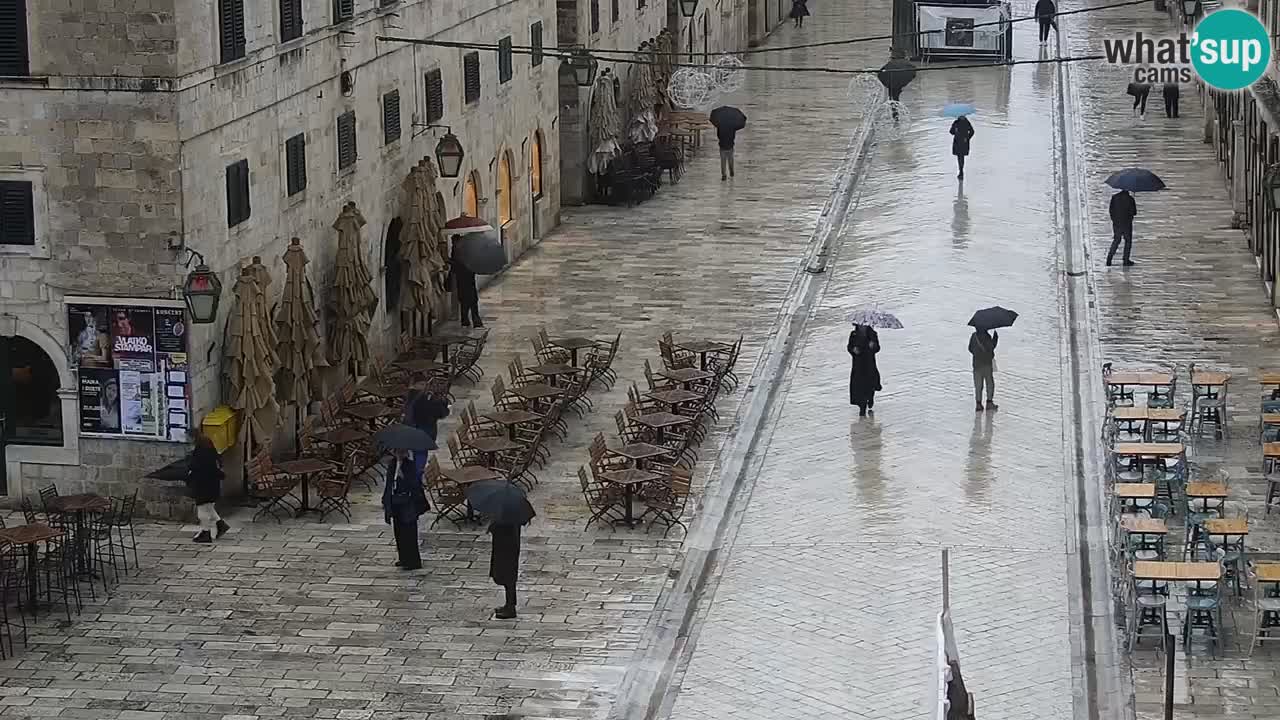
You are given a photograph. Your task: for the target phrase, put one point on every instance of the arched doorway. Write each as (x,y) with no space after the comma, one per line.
(391,266)
(29,400)
(504,189)
(471,195)
(535,182)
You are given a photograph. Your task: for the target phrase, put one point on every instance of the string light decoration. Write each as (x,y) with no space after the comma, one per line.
(728,74)
(891,120)
(863,89)
(692,89)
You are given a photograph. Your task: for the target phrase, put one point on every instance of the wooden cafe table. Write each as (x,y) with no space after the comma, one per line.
(1130,493)
(701,348)
(1176,571)
(1149,417)
(573,344)
(29,537)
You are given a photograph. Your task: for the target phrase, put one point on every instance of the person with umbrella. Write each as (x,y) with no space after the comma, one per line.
(424,410)
(464,286)
(508,509)
(896,75)
(982,346)
(1123,210)
(961,133)
(799,9)
(864,378)
(727,121)
(403,498)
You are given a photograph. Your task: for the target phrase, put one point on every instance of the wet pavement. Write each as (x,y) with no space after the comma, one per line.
(1194,296)
(311,620)
(826,603)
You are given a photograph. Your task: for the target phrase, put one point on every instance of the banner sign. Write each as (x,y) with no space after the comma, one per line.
(131,358)
(961,29)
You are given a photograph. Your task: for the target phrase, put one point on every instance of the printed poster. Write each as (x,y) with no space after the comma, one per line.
(99,401)
(132,339)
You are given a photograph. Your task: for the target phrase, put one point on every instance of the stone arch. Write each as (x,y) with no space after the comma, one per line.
(506,199)
(471,195)
(11,325)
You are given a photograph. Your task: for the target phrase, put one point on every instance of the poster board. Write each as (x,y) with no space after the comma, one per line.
(132,367)
(956,30)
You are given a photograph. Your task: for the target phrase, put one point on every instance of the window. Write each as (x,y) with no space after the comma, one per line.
(613,11)
(471,196)
(504,189)
(17,213)
(535,165)
(238,209)
(290,20)
(295,164)
(435,96)
(14,60)
(391,117)
(346,139)
(504,60)
(595,16)
(471,77)
(343,10)
(33,407)
(231,29)
(535,42)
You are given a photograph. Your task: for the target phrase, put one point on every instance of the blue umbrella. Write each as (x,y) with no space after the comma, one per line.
(1135,180)
(958,109)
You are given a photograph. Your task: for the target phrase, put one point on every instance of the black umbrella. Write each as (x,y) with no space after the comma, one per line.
(992,318)
(501,501)
(727,117)
(403,437)
(896,74)
(1135,180)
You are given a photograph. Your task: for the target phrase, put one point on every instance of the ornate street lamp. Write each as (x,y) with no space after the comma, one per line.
(449,155)
(202,291)
(1271,184)
(583,65)
(688,7)
(1190,8)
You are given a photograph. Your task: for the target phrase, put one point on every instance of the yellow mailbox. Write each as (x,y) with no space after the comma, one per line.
(220,427)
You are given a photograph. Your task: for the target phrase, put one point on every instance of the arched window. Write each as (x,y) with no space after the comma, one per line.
(504,188)
(471,196)
(29,393)
(535,165)
(391,265)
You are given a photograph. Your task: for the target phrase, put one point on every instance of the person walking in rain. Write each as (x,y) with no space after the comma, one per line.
(464,285)
(799,9)
(982,346)
(864,378)
(403,502)
(726,135)
(1171,93)
(961,134)
(1045,13)
(1139,91)
(204,479)
(504,565)
(1123,210)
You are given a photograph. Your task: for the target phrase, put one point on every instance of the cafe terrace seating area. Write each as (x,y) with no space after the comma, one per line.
(642,478)
(1184,561)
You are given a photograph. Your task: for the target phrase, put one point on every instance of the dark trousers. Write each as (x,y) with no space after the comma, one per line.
(470,314)
(1171,106)
(407,543)
(511,595)
(1119,232)
(1140,101)
(1045,25)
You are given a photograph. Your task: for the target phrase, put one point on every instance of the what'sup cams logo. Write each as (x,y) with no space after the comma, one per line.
(1228,50)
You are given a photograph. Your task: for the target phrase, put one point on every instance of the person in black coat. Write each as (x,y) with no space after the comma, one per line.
(403,502)
(864,379)
(504,565)
(1171,93)
(799,9)
(1123,210)
(424,410)
(464,285)
(1045,12)
(961,134)
(204,480)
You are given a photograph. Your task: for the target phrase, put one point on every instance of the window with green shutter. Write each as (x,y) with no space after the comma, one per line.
(290,20)
(346,139)
(231,29)
(471,77)
(434,82)
(535,42)
(295,164)
(14,53)
(238,206)
(343,10)
(504,60)
(391,117)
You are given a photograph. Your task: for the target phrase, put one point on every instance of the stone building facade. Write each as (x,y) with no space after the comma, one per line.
(120,126)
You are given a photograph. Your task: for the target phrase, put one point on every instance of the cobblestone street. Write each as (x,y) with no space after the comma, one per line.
(827,603)
(311,620)
(1194,296)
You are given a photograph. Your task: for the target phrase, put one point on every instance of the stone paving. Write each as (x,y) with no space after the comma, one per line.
(1194,296)
(827,600)
(310,620)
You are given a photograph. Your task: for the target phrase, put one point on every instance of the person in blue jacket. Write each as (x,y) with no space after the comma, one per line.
(403,501)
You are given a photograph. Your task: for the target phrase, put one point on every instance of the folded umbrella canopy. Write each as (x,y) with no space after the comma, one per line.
(958,109)
(479,248)
(876,318)
(727,117)
(992,318)
(403,437)
(1136,180)
(502,502)
(896,74)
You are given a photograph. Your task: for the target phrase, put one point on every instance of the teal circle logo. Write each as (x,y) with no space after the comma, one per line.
(1230,49)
